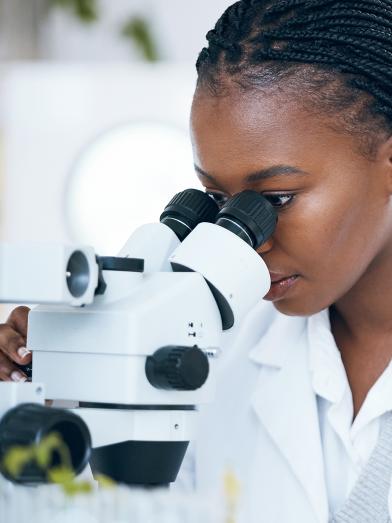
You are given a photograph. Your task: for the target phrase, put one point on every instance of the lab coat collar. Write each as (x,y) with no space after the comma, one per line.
(275,345)
(286,406)
(325,362)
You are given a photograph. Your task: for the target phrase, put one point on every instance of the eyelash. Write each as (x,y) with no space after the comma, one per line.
(221,199)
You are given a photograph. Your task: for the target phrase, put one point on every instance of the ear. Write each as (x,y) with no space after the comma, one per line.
(384,161)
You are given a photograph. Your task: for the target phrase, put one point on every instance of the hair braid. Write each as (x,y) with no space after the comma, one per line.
(337,23)
(316,38)
(338,52)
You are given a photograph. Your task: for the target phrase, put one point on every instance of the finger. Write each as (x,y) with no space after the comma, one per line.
(12,344)
(9,371)
(18,320)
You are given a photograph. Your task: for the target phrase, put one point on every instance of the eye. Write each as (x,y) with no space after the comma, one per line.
(219,199)
(279,200)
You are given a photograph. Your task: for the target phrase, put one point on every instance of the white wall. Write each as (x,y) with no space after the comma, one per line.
(180,27)
(29,30)
(51,113)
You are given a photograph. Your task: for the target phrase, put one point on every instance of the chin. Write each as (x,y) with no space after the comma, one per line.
(297,307)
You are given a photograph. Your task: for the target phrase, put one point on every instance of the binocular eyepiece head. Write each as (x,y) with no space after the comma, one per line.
(247,214)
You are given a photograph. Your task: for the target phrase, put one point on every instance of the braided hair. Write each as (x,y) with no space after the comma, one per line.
(336,53)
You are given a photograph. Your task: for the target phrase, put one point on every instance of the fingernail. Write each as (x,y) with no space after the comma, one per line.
(23,352)
(18,376)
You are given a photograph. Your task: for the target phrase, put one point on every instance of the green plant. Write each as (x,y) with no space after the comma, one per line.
(42,455)
(85,10)
(232,495)
(138,30)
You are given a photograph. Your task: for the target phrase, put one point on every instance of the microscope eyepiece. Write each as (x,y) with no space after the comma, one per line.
(78,274)
(250,216)
(187,209)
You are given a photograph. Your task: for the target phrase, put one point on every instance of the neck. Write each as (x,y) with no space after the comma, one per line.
(366,310)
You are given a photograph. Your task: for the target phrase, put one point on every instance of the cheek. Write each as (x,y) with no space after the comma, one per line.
(319,230)
(329,239)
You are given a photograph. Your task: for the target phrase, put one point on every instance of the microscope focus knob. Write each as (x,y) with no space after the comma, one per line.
(177,368)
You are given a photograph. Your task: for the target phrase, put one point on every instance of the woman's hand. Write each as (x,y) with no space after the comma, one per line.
(13,352)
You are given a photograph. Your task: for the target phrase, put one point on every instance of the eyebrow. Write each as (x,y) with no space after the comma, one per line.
(263,174)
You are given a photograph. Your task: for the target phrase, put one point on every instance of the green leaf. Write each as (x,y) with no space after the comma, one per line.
(50,444)
(44,450)
(105,481)
(85,10)
(42,454)
(60,474)
(77,487)
(16,459)
(138,30)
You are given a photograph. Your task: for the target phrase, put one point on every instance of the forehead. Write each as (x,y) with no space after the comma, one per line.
(247,131)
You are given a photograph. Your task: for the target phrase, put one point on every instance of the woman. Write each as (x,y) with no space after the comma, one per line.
(294,100)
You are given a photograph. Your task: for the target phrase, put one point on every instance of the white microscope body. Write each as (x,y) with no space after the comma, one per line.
(139,357)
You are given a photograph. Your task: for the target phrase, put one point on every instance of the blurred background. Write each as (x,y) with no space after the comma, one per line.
(94,105)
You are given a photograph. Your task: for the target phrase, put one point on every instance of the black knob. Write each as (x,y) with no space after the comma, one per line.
(187,209)
(250,216)
(177,368)
(28,423)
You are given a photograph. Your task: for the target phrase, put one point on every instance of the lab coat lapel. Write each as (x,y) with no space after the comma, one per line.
(286,405)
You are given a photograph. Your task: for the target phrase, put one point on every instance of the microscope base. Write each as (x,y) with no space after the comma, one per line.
(144,463)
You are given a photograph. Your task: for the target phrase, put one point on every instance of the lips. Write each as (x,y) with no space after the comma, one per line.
(280,285)
(277,276)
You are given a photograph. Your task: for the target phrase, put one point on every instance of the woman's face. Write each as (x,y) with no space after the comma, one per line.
(333,204)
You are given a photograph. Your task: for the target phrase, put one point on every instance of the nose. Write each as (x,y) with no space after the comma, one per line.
(266,246)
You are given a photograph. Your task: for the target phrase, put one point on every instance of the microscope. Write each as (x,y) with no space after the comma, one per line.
(131,342)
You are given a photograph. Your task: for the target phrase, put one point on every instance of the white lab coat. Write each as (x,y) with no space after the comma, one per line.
(264,425)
